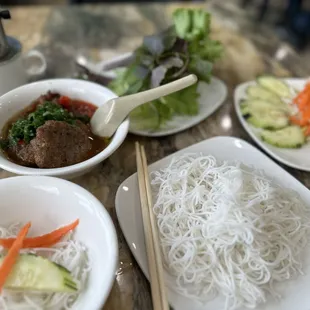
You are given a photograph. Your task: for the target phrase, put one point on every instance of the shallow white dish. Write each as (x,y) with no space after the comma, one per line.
(294,292)
(18,99)
(211,98)
(50,203)
(296,158)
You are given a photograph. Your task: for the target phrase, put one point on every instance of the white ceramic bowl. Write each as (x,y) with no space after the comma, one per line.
(52,202)
(19,98)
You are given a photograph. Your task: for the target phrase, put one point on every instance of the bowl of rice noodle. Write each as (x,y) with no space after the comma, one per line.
(68,258)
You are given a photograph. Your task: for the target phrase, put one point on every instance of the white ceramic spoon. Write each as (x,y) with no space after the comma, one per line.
(109,116)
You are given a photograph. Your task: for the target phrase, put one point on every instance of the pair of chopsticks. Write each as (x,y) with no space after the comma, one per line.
(150,233)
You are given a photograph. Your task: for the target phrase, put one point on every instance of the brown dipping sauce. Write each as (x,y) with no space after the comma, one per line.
(84,144)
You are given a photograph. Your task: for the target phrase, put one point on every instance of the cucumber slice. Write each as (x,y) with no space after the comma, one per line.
(272,119)
(36,273)
(245,110)
(259,104)
(263,114)
(289,137)
(275,85)
(259,92)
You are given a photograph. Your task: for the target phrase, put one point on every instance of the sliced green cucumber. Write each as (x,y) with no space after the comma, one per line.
(289,137)
(272,119)
(259,104)
(262,114)
(36,273)
(245,110)
(259,92)
(275,85)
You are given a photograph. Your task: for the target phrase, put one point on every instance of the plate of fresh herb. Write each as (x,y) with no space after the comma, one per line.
(183,48)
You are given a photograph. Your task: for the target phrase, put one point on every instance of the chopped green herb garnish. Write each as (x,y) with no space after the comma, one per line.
(4,144)
(25,128)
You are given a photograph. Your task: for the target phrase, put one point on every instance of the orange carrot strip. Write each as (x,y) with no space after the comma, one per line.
(307,131)
(295,120)
(298,121)
(302,101)
(10,259)
(44,240)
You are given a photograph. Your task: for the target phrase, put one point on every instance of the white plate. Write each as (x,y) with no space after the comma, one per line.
(211,98)
(295,292)
(296,158)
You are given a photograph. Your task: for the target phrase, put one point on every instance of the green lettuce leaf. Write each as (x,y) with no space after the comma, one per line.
(207,49)
(202,68)
(182,20)
(191,24)
(184,102)
(130,81)
(154,114)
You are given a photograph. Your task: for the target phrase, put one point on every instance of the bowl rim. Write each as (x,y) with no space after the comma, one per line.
(115,143)
(99,209)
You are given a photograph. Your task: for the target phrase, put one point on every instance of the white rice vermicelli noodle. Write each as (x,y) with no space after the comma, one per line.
(226,228)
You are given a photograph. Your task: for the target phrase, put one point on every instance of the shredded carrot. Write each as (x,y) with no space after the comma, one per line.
(302,101)
(298,121)
(10,259)
(47,240)
(307,131)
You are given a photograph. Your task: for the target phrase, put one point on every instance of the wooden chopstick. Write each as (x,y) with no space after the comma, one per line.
(151,235)
(156,295)
(160,271)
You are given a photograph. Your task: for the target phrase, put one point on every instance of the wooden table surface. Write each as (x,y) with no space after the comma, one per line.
(101,31)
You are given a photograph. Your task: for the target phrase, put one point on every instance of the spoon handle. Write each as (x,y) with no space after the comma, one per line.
(135,100)
(110,115)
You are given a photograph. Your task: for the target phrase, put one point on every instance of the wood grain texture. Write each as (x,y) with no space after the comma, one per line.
(102,31)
